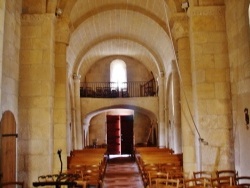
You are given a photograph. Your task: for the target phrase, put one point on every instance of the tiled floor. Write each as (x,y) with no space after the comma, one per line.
(122,171)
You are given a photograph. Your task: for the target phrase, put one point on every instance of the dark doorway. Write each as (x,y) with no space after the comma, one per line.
(127,134)
(120,134)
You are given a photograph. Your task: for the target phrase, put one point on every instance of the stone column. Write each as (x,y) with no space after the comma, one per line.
(211,85)
(36,96)
(183,66)
(78,123)
(85,135)
(161,120)
(60,100)
(177,110)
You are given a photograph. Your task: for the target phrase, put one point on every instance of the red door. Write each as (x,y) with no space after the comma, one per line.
(127,135)
(113,135)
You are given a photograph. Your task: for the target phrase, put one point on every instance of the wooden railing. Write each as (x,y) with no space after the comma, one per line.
(113,90)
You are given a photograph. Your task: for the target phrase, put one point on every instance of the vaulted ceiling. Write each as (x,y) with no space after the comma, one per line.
(103,28)
(138,29)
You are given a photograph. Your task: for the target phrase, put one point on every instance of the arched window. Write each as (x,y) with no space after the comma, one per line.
(118,74)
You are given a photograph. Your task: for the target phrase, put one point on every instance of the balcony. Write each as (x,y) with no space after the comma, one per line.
(113,90)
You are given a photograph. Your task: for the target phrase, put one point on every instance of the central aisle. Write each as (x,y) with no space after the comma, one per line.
(122,171)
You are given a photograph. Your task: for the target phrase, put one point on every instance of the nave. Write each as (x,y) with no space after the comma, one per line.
(122,171)
(150,167)
(147,168)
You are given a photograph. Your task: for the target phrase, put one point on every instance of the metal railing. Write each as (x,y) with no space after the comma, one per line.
(114,90)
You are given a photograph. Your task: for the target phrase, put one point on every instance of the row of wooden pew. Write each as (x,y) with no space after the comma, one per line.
(218,179)
(155,162)
(163,168)
(89,164)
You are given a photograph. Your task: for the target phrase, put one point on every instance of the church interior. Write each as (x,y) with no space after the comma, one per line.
(86,80)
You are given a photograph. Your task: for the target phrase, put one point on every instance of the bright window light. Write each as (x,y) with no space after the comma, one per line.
(118,74)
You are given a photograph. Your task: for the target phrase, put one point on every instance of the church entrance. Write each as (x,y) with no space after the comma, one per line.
(120,134)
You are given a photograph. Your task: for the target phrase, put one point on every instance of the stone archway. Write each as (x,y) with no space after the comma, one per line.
(8,147)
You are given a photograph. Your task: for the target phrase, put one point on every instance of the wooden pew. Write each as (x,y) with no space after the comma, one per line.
(153,149)
(159,159)
(89,164)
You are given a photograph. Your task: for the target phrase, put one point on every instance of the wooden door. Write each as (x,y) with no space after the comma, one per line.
(127,135)
(113,135)
(8,147)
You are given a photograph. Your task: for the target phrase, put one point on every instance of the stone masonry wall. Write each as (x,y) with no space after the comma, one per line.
(238,34)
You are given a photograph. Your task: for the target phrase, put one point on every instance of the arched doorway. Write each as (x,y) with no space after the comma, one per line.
(8,147)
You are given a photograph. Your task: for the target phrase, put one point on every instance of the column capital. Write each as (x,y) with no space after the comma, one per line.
(179,24)
(206,11)
(76,76)
(62,31)
(37,19)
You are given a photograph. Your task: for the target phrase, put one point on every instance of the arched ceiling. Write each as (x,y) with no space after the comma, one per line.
(137,29)
(133,28)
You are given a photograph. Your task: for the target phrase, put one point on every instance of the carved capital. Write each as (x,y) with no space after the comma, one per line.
(179,24)
(36,19)
(206,11)
(62,30)
(76,76)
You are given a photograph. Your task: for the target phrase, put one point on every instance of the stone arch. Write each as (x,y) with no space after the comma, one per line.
(115,6)
(87,119)
(80,60)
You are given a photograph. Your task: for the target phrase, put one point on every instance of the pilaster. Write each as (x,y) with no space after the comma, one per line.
(182,69)
(210,73)
(161,131)
(36,95)
(78,124)
(177,110)
(61,125)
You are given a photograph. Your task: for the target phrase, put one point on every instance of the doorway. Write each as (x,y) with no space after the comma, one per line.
(120,134)
(8,147)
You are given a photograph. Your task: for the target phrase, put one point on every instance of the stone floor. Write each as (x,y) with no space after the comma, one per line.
(122,171)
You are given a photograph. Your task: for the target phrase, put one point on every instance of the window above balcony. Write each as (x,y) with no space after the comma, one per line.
(118,74)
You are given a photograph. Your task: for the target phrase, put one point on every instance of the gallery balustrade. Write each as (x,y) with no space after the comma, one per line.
(114,90)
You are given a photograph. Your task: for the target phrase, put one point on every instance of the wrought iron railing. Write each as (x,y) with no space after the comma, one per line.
(114,90)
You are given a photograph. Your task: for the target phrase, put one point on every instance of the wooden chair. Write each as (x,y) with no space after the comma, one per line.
(222,181)
(205,175)
(147,171)
(177,174)
(81,183)
(231,173)
(195,182)
(168,183)
(243,181)
(92,175)
(13,183)
(220,173)
(156,178)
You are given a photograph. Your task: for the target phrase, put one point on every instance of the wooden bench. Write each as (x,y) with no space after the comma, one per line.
(89,164)
(140,150)
(159,159)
